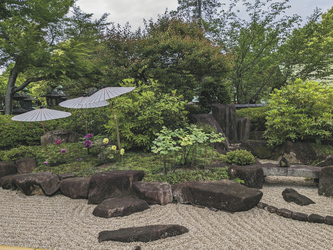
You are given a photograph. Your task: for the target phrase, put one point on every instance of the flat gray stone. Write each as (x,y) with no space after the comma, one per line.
(143,234)
(118,207)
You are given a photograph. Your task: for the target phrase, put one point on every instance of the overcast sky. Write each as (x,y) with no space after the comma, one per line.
(134,11)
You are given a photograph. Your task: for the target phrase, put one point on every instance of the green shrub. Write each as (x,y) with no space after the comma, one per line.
(302,110)
(257,117)
(184,176)
(240,157)
(14,133)
(143,112)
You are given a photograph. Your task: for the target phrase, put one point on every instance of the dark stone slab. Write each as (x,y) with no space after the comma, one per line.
(291,195)
(7,182)
(243,128)
(7,168)
(25,165)
(271,209)
(284,212)
(75,188)
(37,183)
(223,195)
(326,182)
(299,216)
(118,207)
(262,205)
(112,184)
(153,192)
(329,220)
(252,175)
(315,218)
(143,234)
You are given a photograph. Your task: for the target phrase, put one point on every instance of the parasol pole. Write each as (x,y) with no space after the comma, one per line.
(44,137)
(86,123)
(116,123)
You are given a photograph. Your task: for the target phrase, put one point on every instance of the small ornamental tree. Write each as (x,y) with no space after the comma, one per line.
(302,110)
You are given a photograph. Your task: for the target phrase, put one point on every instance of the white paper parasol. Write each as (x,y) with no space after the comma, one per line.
(39,115)
(106,94)
(42,114)
(76,103)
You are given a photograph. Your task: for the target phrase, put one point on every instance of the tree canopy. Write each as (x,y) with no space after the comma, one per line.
(42,43)
(172,51)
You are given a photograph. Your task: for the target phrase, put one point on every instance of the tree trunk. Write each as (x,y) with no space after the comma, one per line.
(11,90)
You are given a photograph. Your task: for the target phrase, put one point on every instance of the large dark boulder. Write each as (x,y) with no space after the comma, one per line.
(7,182)
(143,234)
(291,195)
(326,181)
(7,168)
(252,175)
(25,165)
(153,192)
(37,183)
(328,161)
(112,184)
(224,195)
(75,188)
(208,119)
(118,207)
(62,134)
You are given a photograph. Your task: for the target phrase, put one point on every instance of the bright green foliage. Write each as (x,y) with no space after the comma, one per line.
(240,157)
(302,110)
(180,144)
(142,112)
(257,117)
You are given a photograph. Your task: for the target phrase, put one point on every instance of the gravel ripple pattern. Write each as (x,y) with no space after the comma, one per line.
(59,222)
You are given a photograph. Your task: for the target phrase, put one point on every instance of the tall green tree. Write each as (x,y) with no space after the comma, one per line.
(254,42)
(308,50)
(172,51)
(43,43)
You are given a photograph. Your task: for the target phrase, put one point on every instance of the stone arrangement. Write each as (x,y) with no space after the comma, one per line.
(121,193)
(286,213)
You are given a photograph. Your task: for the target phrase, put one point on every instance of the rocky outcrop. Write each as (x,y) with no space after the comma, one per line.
(224,195)
(75,188)
(62,134)
(112,184)
(326,182)
(37,183)
(153,192)
(143,234)
(291,195)
(252,175)
(7,182)
(25,165)
(7,168)
(208,119)
(118,207)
